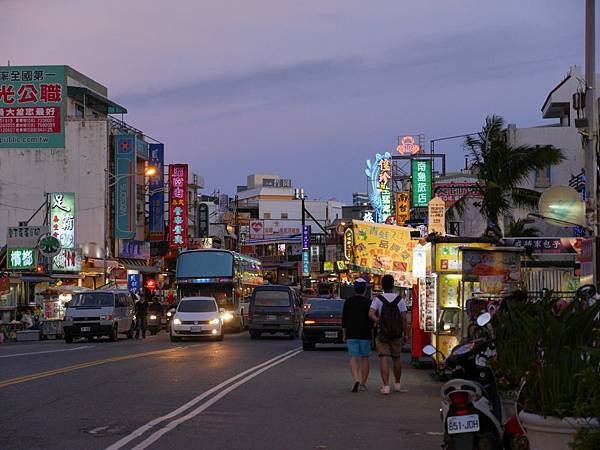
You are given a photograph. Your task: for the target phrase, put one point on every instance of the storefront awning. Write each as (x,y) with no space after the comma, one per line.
(37,279)
(140,265)
(95,100)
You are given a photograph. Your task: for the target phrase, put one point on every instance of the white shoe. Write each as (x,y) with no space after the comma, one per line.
(398,388)
(385,390)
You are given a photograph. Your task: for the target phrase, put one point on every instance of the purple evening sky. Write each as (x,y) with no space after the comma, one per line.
(306,89)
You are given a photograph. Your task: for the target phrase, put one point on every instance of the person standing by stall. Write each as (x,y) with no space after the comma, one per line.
(357,329)
(388,311)
(141,312)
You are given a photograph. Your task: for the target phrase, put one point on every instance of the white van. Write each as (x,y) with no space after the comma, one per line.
(99,313)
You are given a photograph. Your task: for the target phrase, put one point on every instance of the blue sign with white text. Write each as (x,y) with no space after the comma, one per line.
(125,197)
(305,263)
(134,282)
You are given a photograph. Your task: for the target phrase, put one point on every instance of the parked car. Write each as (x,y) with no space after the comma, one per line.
(275,309)
(322,322)
(99,313)
(196,317)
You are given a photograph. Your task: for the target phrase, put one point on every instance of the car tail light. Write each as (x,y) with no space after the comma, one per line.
(460,401)
(309,322)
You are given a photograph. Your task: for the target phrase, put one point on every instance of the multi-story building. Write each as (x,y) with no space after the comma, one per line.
(360,199)
(62,149)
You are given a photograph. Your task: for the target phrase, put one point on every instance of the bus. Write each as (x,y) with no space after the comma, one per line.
(225,275)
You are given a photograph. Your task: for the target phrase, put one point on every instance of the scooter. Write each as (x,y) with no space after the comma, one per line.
(154,322)
(471,409)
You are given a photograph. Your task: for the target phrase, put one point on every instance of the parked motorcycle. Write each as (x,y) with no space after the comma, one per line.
(154,322)
(471,407)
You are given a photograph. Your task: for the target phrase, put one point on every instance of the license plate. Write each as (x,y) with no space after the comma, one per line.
(463,424)
(84,329)
(331,334)
(271,317)
(196,329)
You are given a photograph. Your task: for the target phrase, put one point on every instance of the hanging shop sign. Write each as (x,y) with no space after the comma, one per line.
(552,245)
(421,182)
(125,186)
(21,258)
(26,236)
(348,244)
(178,182)
(496,270)
(68,260)
(341,266)
(451,192)
(402,207)
(427,303)
(328,266)
(306,237)
(257,229)
(419,261)
(61,217)
(202,220)
(49,246)
(130,248)
(32,106)
(156,210)
(380,178)
(380,248)
(134,282)
(437,216)
(409,145)
(305,263)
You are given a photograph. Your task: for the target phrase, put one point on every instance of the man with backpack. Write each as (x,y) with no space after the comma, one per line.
(388,311)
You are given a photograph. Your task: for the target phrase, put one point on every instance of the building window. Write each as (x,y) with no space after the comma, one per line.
(79,111)
(267,215)
(284,215)
(543,178)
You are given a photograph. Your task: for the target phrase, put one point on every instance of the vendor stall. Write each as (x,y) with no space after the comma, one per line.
(54,306)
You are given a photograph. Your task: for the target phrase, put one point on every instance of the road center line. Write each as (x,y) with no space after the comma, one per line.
(253,371)
(47,351)
(50,373)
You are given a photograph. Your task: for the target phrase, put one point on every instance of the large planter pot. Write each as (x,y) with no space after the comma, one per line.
(509,403)
(551,433)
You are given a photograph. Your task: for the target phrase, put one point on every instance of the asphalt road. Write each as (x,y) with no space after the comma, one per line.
(235,394)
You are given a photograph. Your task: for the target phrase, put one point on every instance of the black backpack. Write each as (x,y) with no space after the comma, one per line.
(390,319)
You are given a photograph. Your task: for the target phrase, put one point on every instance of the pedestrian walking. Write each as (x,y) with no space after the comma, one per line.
(141,312)
(357,329)
(388,311)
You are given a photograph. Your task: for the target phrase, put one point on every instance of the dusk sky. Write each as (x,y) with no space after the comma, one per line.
(305,89)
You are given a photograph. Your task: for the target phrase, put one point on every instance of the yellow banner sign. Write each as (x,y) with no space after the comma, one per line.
(402,207)
(384,249)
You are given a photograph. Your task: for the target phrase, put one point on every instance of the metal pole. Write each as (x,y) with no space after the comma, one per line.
(591,113)
(301,192)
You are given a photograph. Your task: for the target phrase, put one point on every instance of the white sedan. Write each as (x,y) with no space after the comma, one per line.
(197,317)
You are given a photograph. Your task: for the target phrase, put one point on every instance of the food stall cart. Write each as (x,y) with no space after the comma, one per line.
(55,298)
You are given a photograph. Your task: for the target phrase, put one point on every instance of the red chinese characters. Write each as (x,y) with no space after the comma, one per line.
(30,120)
(178,181)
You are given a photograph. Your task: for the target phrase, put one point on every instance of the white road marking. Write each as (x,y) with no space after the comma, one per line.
(47,351)
(252,372)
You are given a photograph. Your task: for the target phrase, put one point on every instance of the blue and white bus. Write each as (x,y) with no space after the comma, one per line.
(225,275)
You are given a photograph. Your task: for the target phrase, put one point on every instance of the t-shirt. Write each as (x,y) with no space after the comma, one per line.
(390,297)
(355,318)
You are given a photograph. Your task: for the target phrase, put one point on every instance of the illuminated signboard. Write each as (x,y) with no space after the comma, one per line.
(61,216)
(21,258)
(156,209)
(125,186)
(67,261)
(437,216)
(421,182)
(348,244)
(380,177)
(402,207)
(32,106)
(408,145)
(178,183)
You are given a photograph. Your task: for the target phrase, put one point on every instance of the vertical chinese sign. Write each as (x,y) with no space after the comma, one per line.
(125,196)
(32,106)
(437,216)
(156,210)
(385,177)
(421,182)
(402,207)
(178,182)
(61,217)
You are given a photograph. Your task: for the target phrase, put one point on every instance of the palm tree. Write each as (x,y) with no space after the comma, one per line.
(503,169)
(518,228)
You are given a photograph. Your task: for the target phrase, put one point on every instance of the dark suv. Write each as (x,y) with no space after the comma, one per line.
(275,309)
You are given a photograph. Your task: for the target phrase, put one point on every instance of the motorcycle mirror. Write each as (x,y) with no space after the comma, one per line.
(586,291)
(484,319)
(429,350)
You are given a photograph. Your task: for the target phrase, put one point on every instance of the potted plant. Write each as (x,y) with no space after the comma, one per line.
(554,396)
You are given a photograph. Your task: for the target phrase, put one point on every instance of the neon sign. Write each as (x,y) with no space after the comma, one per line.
(408,146)
(380,175)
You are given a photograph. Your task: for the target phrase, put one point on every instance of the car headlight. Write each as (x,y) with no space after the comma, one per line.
(152,317)
(176,321)
(215,322)
(226,316)
(109,317)
(169,314)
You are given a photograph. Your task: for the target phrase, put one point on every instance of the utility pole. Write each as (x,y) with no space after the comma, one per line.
(591,113)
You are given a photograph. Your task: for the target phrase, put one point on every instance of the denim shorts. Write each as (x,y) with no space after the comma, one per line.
(359,347)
